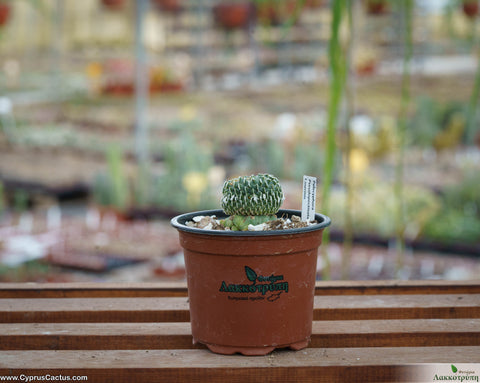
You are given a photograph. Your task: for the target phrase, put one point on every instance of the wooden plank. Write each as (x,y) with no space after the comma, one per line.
(45,310)
(363,307)
(396,307)
(92,289)
(394,287)
(326,334)
(179,289)
(314,365)
(96,336)
(396,333)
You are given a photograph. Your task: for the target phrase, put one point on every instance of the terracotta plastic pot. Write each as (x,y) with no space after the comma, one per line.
(250,292)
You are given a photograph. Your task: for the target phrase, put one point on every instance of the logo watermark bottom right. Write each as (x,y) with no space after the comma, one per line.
(442,372)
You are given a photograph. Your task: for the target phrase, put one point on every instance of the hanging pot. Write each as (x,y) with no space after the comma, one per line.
(250,292)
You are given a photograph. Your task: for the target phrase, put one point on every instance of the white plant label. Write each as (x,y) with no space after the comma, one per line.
(308,198)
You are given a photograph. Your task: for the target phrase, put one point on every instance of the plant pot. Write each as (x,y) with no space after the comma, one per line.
(314,4)
(169,6)
(113,4)
(376,7)
(4,13)
(278,12)
(233,15)
(470,8)
(250,292)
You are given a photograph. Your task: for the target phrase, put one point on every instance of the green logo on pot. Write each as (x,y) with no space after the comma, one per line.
(272,283)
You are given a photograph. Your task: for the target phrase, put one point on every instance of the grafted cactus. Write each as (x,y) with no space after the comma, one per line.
(251,200)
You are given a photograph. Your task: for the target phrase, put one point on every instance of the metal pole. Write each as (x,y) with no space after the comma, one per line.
(141,84)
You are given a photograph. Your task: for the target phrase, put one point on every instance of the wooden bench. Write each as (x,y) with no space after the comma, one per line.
(362,331)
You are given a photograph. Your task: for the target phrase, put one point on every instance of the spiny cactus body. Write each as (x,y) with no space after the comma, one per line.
(259,194)
(251,200)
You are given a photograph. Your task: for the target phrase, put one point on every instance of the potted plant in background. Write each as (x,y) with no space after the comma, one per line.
(110,190)
(4,13)
(377,7)
(113,4)
(279,12)
(470,8)
(169,6)
(233,15)
(251,269)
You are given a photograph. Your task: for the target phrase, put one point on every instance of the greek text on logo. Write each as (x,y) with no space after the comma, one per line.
(458,375)
(273,284)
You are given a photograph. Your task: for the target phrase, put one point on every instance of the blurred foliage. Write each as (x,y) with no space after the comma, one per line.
(451,216)
(184,183)
(459,219)
(111,188)
(286,161)
(441,125)
(421,205)
(20,200)
(2,198)
(453,226)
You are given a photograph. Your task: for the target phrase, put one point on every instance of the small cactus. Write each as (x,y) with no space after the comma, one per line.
(241,222)
(251,200)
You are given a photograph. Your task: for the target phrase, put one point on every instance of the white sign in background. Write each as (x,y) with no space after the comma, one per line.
(309,198)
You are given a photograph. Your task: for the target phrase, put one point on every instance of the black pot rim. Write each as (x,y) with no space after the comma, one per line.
(179,222)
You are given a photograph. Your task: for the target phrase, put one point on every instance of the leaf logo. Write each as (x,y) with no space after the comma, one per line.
(454,369)
(251,274)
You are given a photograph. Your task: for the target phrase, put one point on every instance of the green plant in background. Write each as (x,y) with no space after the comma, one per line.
(349,192)
(421,206)
(472,123)
(400,222)
(338,71)
(306,161)
(459,218)
(111,188)
(184,182)
(251,200)
(441,125)
(20,200)
(266,157)
(274,158)
(142,189)
(2,199)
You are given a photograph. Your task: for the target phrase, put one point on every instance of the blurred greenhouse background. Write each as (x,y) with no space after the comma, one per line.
(116,115)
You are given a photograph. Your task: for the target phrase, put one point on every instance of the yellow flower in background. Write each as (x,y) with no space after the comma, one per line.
(194,183)
(94,70)
(188,112)
(359,161)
